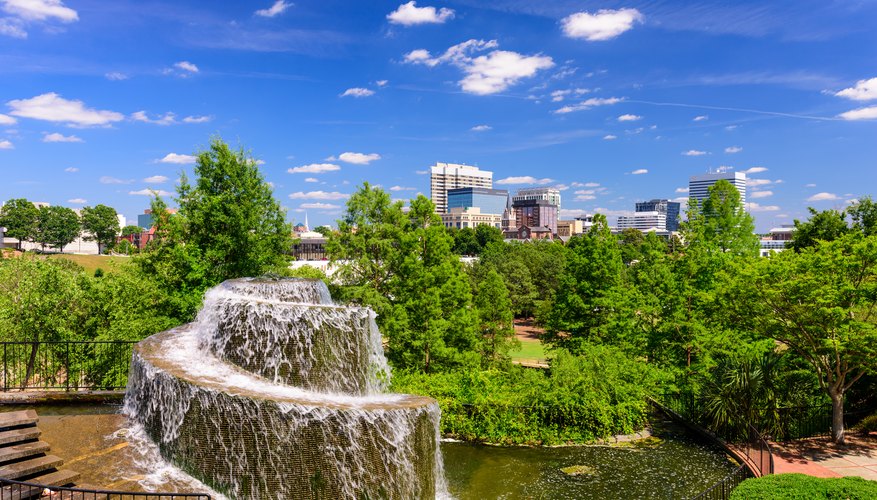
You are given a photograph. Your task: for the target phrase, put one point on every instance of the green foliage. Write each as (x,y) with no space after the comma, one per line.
(125,247)
(721,222)
(531,272)
(19,217)
(866,426)
(131,229)
(827,225)
(495,318)
(801,487)
(57,227)
(465,242)
(100,224)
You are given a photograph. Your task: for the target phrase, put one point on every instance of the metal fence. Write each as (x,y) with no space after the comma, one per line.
(21,490)
(722,489)
(68,366)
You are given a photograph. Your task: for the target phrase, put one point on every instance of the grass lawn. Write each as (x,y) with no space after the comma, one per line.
(92,262)
(531,350)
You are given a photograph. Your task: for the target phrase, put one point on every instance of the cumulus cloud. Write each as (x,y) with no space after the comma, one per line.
(755,207)
(320,206)
(760,194)
(314,168)
(409,14)
(150,192)
(156,179)
(588,104)
(7,120)
(487,73)
(823,197)
(585,197)
(610,137)
(40,10)
(700,118)
(54,108)
(733,149)
(186,66)
(629,118)
(77,201)
(761,182)
(318,195)
(694,152)
(12,27)
(56,137)
(755,170)
(605,24)
(163,120)
(357,92)
(113,180)
(382,83)
(526,179)
(865,90)
(72,170)
(4,144)
(279,7)
(311,179)
(682,190)
(115,76)
(357,158)
(197,119)
(481,128)
(402,188)
(640,171)
(178,159)
(869,113)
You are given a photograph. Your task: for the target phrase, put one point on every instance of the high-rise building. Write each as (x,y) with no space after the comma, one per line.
(643,221)
(490,201)
(669,209)
(698,185)
(535,213)
(549,194)
(445,176)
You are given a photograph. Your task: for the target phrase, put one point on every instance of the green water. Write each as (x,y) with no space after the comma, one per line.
(680,467)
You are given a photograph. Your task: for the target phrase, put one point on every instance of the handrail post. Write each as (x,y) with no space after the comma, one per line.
(5,370)
(67,367)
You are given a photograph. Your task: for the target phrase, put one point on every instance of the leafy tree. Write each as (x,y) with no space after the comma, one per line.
(822,303)
(131,229)
(57,227)
(486,234)
(495,318)
(827,225)
(724,221)
(864,216)
(19,217)
(231,216)
(101,224)
(465,242)
(631,240)
(324,230)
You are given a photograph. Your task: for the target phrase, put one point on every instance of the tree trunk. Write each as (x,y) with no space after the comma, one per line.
(837,415)
(30,364)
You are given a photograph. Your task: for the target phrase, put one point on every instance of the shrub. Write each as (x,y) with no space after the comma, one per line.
(866,426)
(799,486)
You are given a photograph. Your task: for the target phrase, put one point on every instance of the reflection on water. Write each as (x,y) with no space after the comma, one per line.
(680,467)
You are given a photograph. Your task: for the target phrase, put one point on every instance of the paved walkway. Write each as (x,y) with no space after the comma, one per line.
(821,458)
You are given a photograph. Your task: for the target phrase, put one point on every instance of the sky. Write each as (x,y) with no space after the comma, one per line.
(612,102)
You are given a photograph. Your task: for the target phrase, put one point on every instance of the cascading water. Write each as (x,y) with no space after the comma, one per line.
(276,392)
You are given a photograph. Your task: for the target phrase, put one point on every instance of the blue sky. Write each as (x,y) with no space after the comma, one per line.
(614,102)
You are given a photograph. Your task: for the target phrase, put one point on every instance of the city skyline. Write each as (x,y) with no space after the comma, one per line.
(612,103)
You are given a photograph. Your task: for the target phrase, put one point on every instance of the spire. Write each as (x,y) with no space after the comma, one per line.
(307,227)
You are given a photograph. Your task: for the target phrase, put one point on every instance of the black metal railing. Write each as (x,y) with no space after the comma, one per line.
(68,366)
(722,489)
(22,490)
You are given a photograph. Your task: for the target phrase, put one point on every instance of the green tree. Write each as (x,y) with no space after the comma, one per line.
(495,318)
(231,216)
(822,303)
(131,229)
(101,224)
(827,225)
(486,234)
(324,230)
(864,216)
(725,223)
(19,217)
(57,227)
(465,242)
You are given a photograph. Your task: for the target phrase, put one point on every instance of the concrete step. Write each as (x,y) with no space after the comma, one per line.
(23,450)
(29,467)
(58,478)
(18,418)
(19,435)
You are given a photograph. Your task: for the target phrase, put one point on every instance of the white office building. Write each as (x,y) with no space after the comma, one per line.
(643,221)
(446,176)
(549,194)
(698,185)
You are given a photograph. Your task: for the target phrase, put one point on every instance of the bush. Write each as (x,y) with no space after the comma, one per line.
(866,426)
(799,486)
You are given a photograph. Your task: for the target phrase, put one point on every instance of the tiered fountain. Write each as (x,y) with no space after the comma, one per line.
(276,392)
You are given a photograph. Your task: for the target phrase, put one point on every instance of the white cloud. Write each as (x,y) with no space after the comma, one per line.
(639,171)
(156,179)
(823,197)
(116,76)
(7,120)
(605,24)
(561,187)
(197,119)
(78,201)
(694,152)
(167,119)
(570,213)
(357,92)
(4,144)
(186,66)
(402,188)
(760,194)
(409,14)
(869,113)
(40,10)
(733,149)
(811,185)
(320,206)
(481,128)
(72,170)
(760,182)
(314,168)
(484,74)
(56,137)
(755,207)
(610,137)
(755,170)
(588,104)
(54,108)
(382,83)
(629,118)
(731,127)
(525,180)
(312,179)
(681,190)
(279,7)
(178,159)
(357,158)
(559,95)
(865,90)
(585,197)
(150,192)
(318,195)
(700,118)
(112,180)
(12,27)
